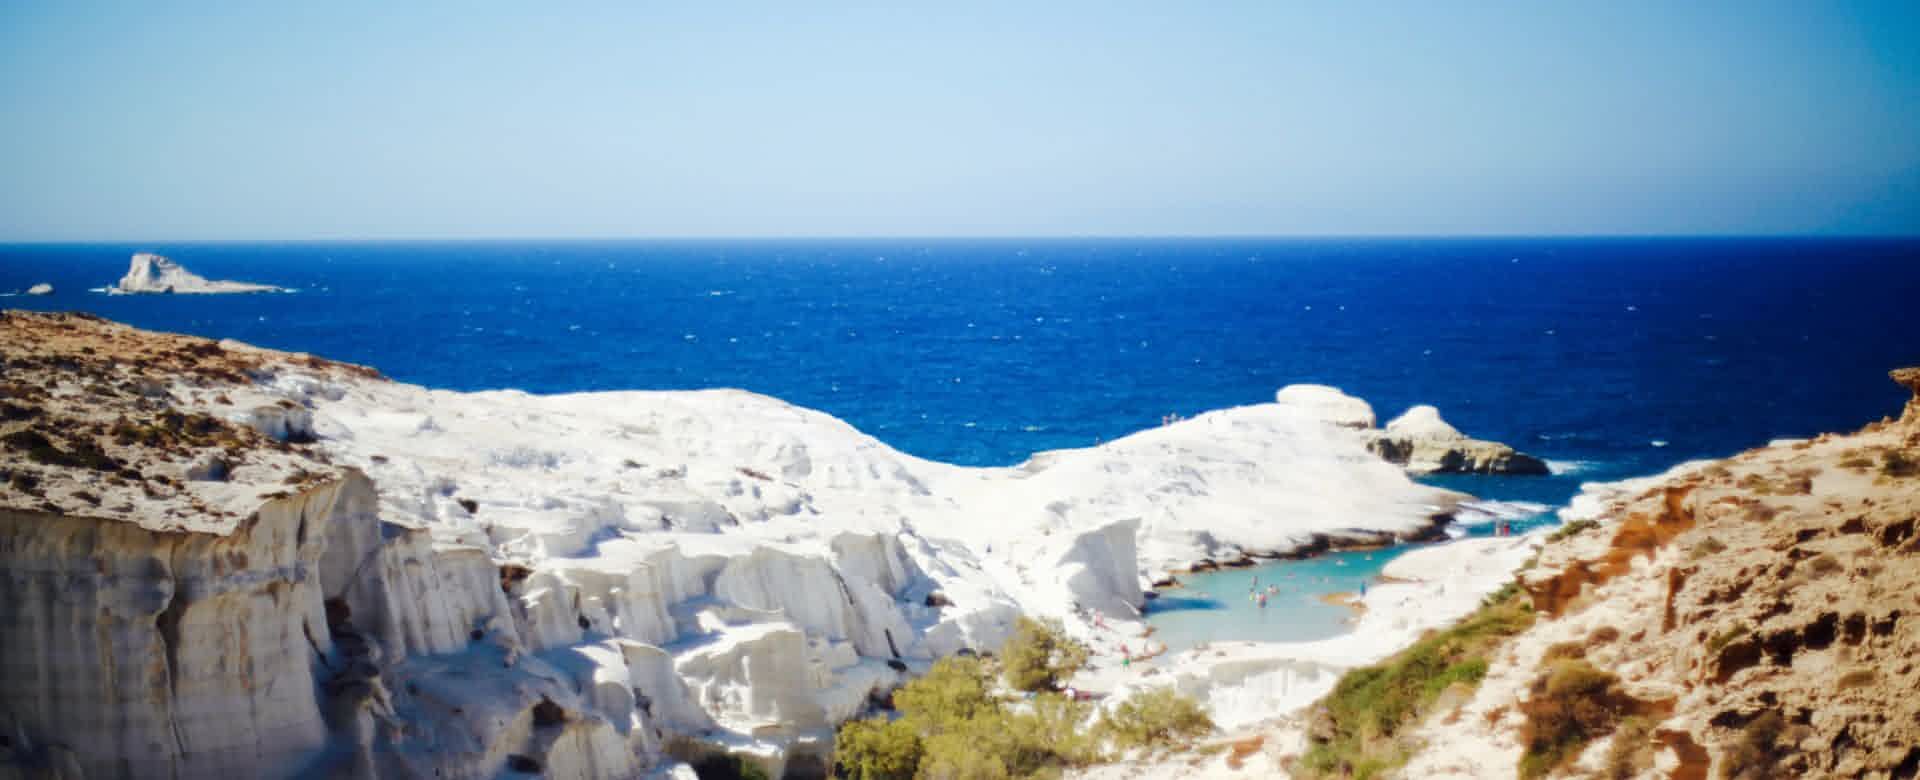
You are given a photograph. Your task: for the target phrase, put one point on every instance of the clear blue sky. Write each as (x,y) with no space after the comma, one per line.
(151,121)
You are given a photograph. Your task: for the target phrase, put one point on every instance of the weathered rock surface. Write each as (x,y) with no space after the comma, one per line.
(151,273)
(1328,404)
(1418,440)
(216,559)
(1767,604)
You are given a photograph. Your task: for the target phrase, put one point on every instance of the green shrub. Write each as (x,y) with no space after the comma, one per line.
(1162,717)
(1355,731)
(1632,749)
(1040,656)
(1573,529)
(877,749)
(1571,704)
(951,695)
(953,726)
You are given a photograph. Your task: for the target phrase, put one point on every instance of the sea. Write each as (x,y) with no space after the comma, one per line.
(1610,357)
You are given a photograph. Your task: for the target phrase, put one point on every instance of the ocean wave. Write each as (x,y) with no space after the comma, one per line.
(1559,467)
(1483,512)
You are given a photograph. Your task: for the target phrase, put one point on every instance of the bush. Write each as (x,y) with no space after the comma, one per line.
(1572,529)
(1040,656)
(1355,730)
(1632,750)
(1571,704)
(877,749)
(1757,754)
(1161,717)
(951,695)
(953,726)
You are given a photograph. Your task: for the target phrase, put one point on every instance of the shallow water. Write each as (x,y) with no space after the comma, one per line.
(1214,606)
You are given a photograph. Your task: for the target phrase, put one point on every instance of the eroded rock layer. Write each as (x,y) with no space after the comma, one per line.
(1764,610)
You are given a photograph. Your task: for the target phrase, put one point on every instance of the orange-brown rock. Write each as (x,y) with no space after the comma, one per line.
(1772,597)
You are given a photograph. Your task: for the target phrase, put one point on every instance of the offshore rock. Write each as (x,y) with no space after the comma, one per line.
(1425,444)
(151,273)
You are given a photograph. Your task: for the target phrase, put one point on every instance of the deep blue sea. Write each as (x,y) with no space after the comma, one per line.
(1622,356)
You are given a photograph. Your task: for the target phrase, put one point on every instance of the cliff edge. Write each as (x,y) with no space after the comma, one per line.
(1752,617)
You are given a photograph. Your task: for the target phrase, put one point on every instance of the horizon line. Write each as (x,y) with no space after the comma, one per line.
(955,238)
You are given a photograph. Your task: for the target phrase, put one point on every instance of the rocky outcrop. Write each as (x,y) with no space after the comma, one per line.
(1909,378)
(1425,444)
(1766,603)
(1418,440)
(151,273)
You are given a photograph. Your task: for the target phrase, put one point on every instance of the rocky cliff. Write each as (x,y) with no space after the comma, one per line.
(1754,617)
(216,559)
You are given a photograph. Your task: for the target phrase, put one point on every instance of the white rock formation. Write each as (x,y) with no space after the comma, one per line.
(496,580)
(1328,404)
(1418,439)
(1423,422)
(151,273)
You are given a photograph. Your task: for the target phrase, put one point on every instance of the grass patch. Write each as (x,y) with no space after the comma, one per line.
(1724,638)
(1573,529)
(1706,547)
(1356,730)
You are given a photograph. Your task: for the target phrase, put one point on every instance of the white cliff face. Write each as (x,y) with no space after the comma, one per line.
(151,273)
(1327,404)
(575,582)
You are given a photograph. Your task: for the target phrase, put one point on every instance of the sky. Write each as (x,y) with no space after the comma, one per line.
(350,120)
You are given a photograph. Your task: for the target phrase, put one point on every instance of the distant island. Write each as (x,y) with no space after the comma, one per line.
(151,273)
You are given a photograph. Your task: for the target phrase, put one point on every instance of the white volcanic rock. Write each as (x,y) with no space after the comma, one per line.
(1423,422)
(1328,404)
(450,584)
(151,273)
(42,288)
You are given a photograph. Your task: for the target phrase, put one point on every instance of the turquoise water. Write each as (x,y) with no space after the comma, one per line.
(1214,605)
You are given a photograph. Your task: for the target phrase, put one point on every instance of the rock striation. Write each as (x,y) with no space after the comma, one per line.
(151,273)
(217,559)
(1763,608)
